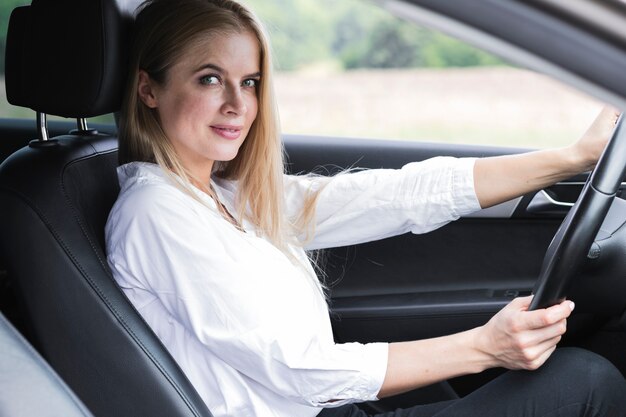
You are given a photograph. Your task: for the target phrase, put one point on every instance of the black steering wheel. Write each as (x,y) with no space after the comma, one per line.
(572,241)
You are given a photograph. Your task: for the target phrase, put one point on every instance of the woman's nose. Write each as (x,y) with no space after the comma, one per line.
(234,102)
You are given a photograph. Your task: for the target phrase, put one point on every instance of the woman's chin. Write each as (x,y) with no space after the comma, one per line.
(227,157)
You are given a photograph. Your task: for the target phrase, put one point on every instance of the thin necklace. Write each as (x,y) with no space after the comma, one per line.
(223,210)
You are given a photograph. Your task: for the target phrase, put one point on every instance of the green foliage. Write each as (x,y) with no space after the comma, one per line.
(388,44)
(6,6)
(357,34)
(300,31)
(444,51)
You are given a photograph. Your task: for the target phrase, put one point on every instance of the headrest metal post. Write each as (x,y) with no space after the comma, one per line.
(82,124)
(42,125)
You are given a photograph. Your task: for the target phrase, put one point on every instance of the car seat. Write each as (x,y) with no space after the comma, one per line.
(68,58)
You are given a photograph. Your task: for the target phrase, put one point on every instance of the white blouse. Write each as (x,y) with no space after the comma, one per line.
(248,326)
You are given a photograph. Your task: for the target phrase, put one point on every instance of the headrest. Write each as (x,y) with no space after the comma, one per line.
(68,57)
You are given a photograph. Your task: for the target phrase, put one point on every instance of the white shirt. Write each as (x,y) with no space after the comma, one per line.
(249,327)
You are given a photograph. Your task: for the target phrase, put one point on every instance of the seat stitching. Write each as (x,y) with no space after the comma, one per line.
(103,263)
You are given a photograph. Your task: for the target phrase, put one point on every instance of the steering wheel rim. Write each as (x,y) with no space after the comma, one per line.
(572,241)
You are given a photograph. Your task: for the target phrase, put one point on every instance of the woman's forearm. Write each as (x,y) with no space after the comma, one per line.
(423,362)
(501,178)
(514,338)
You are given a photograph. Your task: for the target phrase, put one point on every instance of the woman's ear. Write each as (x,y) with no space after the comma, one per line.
(146,90)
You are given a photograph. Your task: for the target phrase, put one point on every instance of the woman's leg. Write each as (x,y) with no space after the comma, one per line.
(573,382)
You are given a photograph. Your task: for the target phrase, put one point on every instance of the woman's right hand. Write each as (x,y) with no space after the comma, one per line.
(516,338)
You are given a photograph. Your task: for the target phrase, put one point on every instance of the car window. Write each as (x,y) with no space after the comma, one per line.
(352,69)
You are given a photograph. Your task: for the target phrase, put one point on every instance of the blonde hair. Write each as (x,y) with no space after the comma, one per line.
(162,37)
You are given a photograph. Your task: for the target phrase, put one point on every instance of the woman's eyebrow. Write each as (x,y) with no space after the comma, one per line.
(222,71)
(210,66)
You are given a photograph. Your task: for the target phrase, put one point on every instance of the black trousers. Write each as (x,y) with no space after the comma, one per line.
(573,382)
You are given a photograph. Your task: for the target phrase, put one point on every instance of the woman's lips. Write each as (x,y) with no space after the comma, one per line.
(227,132)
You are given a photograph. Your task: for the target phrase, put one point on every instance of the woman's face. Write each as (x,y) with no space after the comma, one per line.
(209,100)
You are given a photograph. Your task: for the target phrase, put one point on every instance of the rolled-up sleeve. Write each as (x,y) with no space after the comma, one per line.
(367,205)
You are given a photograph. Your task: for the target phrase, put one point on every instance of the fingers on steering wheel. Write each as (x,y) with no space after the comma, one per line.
(551,332)
(522,303)
(541,318)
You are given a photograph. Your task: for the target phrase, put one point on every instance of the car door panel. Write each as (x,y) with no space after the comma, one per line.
(451,279)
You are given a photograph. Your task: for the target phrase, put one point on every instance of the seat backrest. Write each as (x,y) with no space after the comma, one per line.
(56,195)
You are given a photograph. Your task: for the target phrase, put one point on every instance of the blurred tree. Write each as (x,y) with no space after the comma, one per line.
(357,34)
(389,44)
(300,30)
(443,51)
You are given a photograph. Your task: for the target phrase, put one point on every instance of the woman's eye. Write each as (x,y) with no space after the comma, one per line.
(210,80)
(250,83)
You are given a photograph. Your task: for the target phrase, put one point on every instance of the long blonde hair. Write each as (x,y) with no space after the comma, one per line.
(162,36)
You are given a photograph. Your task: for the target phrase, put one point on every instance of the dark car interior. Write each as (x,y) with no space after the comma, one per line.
(57,189)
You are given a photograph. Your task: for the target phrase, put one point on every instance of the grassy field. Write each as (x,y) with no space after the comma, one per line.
(495,105)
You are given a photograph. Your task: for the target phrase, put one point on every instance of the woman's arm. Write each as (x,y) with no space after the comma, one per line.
(373,204)
(514,338)
(502,178)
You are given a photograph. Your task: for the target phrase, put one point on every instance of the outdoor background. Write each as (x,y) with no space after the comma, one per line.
(347,67)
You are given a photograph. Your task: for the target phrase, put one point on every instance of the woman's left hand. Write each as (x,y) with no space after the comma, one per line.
(589,147)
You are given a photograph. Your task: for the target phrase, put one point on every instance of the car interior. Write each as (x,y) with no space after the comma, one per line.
(92,353)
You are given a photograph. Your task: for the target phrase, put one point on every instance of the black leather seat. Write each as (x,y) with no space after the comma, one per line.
(66,57)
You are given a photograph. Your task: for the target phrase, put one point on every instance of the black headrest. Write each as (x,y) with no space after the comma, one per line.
(68,57)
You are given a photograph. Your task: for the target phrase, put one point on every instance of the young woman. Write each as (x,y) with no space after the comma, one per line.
(208,239)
